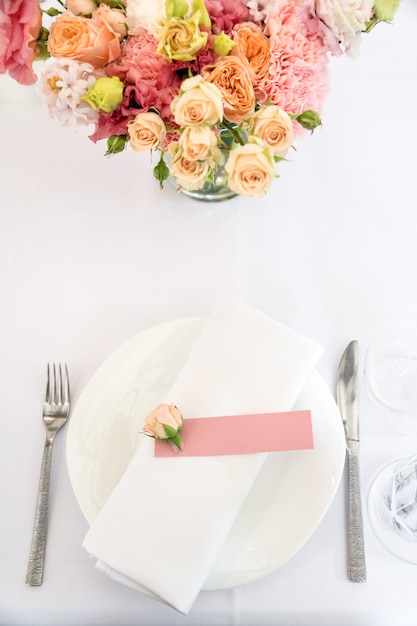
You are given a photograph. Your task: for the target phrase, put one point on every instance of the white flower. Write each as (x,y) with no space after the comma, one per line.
(62,85)
(345,19)
(148,15)
(259,9)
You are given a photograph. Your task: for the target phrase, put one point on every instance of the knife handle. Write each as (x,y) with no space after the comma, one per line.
(356,548)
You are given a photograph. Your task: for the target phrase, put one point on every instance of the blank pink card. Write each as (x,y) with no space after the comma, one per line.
(242,434)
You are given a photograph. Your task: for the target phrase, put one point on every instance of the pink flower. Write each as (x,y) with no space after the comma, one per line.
(20,24)
(298,69)
(151,80)
(225,14)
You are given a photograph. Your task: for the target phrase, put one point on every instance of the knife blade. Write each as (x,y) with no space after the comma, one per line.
(348,401)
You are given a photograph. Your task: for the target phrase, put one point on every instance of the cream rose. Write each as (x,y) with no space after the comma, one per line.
(251,168)
(146,131)
(231,75)
(199,144)
(274,127)
(198,103)
(181,39)
(83,39)
(189,174)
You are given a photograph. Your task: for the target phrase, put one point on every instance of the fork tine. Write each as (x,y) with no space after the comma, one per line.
(53,386)
(66,385)
(59,385)
(48,385)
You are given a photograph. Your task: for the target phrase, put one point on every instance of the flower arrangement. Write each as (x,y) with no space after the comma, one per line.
(211,85)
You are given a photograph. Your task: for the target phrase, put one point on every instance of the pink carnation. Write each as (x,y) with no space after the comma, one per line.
(20,24)
(152,81)
(225,14)
(298,70)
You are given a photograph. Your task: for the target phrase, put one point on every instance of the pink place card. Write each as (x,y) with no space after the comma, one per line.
(242,434)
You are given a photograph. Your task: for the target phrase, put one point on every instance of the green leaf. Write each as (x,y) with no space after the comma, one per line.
(171,432)
(113,4)
(176,441)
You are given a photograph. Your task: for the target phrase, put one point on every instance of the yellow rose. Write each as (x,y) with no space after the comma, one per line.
(199,144)
(146,131)
(181,39)
(189,174)
(231,75)
(198,103)
(251,168)
(274,127)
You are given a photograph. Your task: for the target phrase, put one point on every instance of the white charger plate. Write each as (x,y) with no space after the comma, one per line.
(289,497)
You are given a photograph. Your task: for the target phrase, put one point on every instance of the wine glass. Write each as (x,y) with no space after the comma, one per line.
(391,376)
(392,507)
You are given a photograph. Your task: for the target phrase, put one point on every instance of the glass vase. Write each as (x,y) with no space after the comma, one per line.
(212,191)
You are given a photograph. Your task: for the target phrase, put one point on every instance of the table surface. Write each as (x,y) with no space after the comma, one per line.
(92,253)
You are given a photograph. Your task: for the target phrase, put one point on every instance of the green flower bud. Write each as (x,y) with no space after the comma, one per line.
(52,12)
(116,143)
(309,119)
(106,94)
(161,171)
(176,8)
(199,5)
(385,9)
(222,44)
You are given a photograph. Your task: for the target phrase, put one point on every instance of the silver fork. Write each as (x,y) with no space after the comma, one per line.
(56,408)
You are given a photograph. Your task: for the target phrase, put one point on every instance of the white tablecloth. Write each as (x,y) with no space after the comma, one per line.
(91,253)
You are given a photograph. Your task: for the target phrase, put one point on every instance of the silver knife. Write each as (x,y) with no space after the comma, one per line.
(347,400)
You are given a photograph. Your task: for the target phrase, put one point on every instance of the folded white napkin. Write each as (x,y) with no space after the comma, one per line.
(164,524)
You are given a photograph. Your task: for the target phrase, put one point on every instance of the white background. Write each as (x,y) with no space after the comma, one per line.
(92,252)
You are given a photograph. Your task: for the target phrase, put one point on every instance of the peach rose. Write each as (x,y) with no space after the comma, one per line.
(232,77)
(198,103)
(199,144)
(274,127)
(252,47)
(164,422)
(146,131)
(90,40)
(251,168)
(189,174)
(81,7)
(115,18)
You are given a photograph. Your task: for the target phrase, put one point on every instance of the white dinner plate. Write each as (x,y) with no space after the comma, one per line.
(289,497)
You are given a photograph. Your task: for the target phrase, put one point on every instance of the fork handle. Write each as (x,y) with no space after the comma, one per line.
(34,572)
